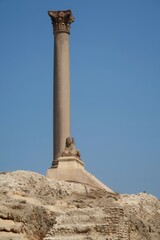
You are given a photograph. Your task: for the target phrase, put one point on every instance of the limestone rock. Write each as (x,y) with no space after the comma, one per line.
(33,207)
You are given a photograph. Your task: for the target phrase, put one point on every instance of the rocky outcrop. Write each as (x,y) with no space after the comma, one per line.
(33,207)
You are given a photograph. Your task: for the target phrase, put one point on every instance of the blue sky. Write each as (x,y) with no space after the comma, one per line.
(115,88)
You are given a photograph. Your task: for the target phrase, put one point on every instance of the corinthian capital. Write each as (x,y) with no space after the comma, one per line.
(61,20)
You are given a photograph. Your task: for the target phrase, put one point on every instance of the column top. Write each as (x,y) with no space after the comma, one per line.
(61,20)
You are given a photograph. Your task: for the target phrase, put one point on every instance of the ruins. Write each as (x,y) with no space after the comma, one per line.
(67,164)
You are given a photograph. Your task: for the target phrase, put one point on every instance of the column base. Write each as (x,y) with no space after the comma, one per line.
(71,169)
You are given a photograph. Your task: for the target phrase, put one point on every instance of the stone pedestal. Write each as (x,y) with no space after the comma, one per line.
(71,169)
(67,169)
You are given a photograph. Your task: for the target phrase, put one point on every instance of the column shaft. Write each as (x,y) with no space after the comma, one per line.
(61,92)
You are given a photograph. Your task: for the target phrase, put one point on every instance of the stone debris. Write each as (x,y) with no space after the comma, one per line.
(33,207)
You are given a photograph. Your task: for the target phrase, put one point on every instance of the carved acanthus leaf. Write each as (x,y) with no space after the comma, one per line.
(61,20)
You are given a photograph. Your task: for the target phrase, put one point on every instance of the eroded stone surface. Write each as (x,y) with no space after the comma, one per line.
(33,207)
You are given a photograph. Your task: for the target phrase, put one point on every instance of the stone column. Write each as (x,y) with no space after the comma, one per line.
(61,21)
(67,165)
